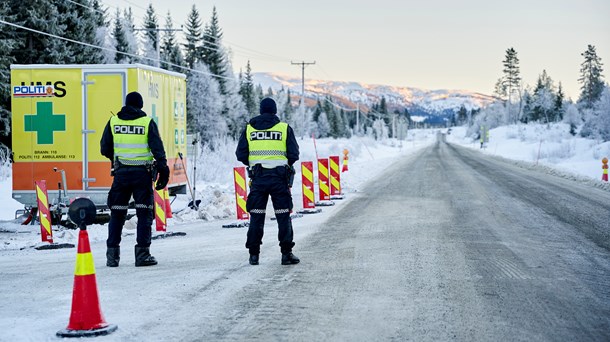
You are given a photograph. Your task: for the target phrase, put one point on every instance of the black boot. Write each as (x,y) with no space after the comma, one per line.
(253,259)
(289,259)
(113,255)
(143,257)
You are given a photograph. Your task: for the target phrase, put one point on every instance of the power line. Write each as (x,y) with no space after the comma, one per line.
(112,50)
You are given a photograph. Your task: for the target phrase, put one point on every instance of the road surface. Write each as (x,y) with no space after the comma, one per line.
(449,244)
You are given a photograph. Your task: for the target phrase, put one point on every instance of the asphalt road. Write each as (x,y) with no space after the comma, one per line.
(448,244)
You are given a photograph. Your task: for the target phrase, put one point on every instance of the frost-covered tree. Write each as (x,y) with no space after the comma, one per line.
(591,78)
(558,106)
(213,53)
(508,87)
(170,50)
(379,130)
(235,110)
(151,37)
(8,43)
(323,126)
(543,99)
(41,15)
(317,111)
(204,105)
(247,91)
(80,23)
(103,36)
(572,117)
(491,117)
(124,37)
(597,124)
(193,36)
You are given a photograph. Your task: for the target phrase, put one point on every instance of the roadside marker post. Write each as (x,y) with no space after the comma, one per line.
(323,184)
(309,206)
(605,169)
(241,196)
(335,178)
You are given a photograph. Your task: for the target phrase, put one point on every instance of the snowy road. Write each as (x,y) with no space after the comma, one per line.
(447,245)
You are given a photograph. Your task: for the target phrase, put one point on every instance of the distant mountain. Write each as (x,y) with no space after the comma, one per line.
(431,105)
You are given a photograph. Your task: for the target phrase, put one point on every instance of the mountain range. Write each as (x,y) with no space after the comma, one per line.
(432,106)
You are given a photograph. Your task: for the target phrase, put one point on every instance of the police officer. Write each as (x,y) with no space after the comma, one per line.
(131,141)
(269,148)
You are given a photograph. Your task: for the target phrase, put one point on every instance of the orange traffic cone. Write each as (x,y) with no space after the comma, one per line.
(168,207)
(86,318)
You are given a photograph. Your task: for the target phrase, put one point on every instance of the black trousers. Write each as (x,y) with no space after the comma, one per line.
(130,181)
(270,182)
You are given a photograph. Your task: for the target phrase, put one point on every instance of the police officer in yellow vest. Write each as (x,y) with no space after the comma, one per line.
(269,148)
(132,142)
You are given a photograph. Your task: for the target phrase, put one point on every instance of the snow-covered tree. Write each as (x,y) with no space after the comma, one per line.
(491,117)
(80,24)
(247,91)
(41,15)
(591,78)
(323,126)
(379,130)
(213,53)
(205,105)
(170,50)
(124,37)
(8,43)
(103,36)
(508,87)
(193,36)
(151,37)
(597,124)
(572,117)
(235,110)
(543,99)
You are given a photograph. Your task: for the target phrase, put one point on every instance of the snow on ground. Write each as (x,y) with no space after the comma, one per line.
(548,148)
(214,186)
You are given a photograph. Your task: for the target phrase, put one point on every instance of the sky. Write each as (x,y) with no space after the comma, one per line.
(437,44)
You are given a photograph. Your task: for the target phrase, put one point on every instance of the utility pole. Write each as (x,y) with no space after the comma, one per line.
(158,30)
(303,64)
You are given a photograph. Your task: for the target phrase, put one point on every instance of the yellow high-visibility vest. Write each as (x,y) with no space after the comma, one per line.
(131,140)
(268,146)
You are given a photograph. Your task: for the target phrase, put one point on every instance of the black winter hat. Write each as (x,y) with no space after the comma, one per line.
(134,99)
(268,106)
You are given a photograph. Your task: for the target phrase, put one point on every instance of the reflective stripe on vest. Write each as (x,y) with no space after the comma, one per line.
(268,146)
(131,140)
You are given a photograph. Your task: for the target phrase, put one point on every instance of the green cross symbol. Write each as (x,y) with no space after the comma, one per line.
(44,123)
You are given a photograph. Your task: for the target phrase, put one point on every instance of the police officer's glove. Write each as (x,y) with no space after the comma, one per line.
(163,177)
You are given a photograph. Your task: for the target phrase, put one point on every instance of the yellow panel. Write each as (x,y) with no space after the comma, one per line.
(47,128)
(104,97)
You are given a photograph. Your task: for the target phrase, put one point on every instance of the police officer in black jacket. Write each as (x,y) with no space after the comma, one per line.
(132,142)
(269,148)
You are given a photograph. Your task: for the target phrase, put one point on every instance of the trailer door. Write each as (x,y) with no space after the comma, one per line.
(104,94)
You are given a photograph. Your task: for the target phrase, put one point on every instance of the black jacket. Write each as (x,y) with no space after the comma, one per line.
(266,121)
(154,139)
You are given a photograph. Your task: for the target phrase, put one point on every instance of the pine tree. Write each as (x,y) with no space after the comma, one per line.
(591,78)
(543,99)
(213,53)
(81,25)
(103,36)
(558,108)
(247,91)
(170,51)
(8,44)
(317,111)
(204,105)
(462,115)
(512,78)
(119,35)
(151,36)
(41,15)
(130,35)
(193,37)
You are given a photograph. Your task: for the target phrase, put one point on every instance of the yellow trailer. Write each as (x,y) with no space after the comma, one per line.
(58,116)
